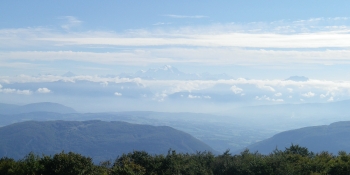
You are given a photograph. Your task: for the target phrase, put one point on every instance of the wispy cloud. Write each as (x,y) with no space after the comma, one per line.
(161,23)
(185,16)
(216,44)
(309,94)
(264,97)
(278,94)
(264,40)
(193,96)
(70,22)
(190,96)
(208,56)
(265,87)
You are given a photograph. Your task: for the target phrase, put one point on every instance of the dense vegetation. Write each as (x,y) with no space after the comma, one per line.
(293,160)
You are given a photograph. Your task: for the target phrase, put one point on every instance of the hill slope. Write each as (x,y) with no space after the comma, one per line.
(332,138)
(98,139)
(35,107)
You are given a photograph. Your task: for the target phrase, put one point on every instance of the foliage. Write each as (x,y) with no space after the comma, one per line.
(293,160)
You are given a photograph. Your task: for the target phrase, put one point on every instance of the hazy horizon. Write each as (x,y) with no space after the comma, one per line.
(174,56)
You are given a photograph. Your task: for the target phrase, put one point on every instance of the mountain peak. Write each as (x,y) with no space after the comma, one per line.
(69,74)
(166,67)
(167,72)
(298,78)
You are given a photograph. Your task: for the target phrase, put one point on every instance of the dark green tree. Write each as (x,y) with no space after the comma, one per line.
(8,166)
(68,164)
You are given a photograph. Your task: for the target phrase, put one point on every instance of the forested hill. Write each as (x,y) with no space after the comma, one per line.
(332,138)
(97,139)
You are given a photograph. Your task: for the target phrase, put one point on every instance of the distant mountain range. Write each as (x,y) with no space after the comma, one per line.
(97,139)
(35,107)
(332,138)
(242,127)
(168,72)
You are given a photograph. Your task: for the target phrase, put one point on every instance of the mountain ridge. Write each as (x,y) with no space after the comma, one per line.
(332,138)
(97,139)
(170,72)
(35,107)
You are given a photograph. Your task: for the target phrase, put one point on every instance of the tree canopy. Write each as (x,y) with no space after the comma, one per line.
(293,160)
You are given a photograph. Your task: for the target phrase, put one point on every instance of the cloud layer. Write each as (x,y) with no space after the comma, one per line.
(313,41)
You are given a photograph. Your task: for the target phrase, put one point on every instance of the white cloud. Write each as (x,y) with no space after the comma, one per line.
(117,94)
(308,95)
(193,96)
(101,58)
(8,91)
(236,89)
(15,91)
(207,97)
(290,90)
(263,40)
(278,94)
(43,90)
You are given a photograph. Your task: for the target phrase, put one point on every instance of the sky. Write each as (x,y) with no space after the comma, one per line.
(256,43)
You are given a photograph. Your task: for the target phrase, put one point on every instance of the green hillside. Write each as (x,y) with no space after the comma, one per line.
(97,139)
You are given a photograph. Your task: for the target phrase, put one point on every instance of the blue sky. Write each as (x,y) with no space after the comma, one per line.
(257,43)
(123,15)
